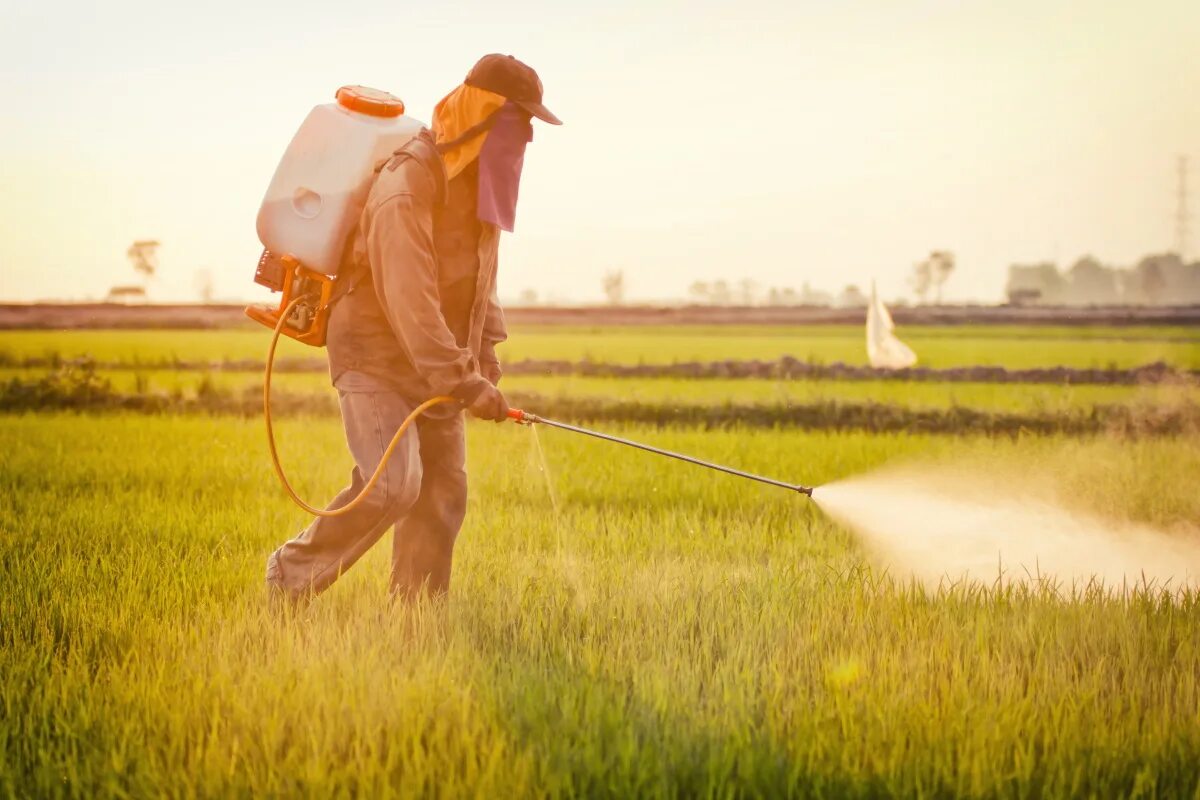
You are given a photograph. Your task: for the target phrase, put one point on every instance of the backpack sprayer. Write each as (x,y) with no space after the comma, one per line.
(312,204)
(314,201)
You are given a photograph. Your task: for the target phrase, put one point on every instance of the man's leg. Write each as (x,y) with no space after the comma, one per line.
(317,556)
(423,543)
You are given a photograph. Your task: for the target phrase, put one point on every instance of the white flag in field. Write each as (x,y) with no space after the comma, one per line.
(883,348)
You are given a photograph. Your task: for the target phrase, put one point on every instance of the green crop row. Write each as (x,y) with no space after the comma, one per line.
(1155,410)
(1013,347)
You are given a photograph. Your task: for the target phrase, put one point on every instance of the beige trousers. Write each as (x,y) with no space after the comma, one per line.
(423,493)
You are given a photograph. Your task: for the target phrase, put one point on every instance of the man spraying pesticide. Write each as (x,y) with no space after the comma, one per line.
(383,238)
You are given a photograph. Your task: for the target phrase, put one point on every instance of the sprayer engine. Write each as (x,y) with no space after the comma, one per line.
(308,319)
(314,202)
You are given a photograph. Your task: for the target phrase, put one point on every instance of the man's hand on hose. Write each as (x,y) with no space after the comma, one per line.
(489,404)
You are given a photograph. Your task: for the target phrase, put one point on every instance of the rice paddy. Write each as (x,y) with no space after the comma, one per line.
(619,625)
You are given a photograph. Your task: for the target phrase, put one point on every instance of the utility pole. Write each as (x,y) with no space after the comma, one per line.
(1181,209)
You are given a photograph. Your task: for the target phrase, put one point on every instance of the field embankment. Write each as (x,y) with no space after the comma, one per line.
(90,316)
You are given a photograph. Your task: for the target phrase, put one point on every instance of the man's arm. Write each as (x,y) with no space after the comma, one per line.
(404,270)
(494,332)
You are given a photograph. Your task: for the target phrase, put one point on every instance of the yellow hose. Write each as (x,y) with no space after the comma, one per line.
(321,512)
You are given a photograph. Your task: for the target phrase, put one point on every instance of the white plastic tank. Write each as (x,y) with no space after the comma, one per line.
(319,188)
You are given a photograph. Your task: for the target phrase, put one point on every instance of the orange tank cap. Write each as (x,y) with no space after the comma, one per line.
(372,102)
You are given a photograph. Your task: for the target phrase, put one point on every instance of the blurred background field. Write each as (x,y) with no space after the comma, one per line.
(1077,371)
(1013,347)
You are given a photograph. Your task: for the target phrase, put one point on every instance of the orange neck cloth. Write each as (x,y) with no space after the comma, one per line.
(457,113)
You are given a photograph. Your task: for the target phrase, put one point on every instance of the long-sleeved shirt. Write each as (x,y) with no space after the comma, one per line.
(420,314)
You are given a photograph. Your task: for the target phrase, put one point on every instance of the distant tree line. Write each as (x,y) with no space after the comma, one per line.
(750,293)
(1156,280)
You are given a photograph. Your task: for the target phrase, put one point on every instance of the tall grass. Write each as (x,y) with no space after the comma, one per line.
(668,633)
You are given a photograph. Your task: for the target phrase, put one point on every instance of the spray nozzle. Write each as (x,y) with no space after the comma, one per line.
(522,417)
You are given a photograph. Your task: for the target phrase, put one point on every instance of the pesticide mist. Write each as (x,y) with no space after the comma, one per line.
(939,526)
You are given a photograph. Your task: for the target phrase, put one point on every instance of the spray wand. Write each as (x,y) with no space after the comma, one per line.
(525,418)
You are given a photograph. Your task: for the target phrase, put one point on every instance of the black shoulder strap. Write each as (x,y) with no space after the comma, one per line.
(422,149)
(347,280)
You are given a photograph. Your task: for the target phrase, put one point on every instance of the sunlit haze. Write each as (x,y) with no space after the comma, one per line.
(785,142)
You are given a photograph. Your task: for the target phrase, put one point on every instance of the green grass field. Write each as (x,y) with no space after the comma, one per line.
(620,625)
(1009,346)
(667,632)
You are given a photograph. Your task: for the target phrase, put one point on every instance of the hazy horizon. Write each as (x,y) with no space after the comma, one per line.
(782,142)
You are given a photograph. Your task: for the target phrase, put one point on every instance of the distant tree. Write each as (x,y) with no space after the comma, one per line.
(921,279)
(699,292)
(205,289)
(1180,282)
(1151,280)
(941,265)
(721,294)
(749,290)
(143,255)
(852,297)
(781,296)
(614,287)
(1092,283)
(1185,288)
(814,297)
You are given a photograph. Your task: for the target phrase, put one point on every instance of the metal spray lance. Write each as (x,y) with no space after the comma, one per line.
(525,418)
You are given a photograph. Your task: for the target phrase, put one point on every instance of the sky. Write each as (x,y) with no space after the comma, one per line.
(784,142)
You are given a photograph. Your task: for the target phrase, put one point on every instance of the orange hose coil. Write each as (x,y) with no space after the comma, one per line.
(408,421)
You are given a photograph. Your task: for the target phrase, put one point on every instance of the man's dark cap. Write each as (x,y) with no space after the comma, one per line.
(513,80)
